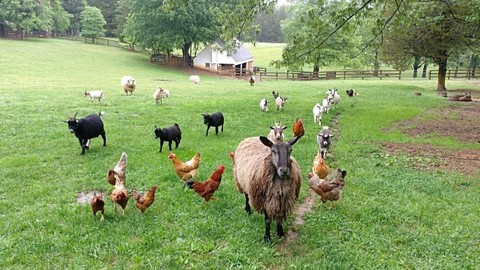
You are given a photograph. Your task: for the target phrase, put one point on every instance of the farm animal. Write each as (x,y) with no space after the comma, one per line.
(195,79)
(317,113)
(98,204)
(144,200)
(94,94)
(213,120)
(467,96)
(280,102)
(328,190)
(128,84)
(276,133)
(119,171)
(351,92)
(333,97)
(120,195)
(166,93)
(208,187)
(320,168)
(252,80)
(158,95)
(326,104)
(264,105)
(269,177)
(185,170)
(169,134)
(298,129)
(87,128)
(275,94)
(324,140)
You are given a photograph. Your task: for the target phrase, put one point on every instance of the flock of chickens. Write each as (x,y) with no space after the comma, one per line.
(187,171)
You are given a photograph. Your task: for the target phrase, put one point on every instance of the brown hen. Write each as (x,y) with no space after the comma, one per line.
(328,190)
(185,170)
(144,200)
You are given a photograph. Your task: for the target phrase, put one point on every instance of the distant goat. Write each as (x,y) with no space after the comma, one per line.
(264,105)
(276,133)
(94,94)
(280,102)
(195,79)
(252,80)
(158,95)
(213,120)
(169,134)
(324,140)
(317,113)
(87,128)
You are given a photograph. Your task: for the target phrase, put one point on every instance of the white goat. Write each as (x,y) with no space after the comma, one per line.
(333,97)
(276,133)
(195,79)
(317,113)
(326,105)
(94,94)
(264,105)
(280,102)
(158,95)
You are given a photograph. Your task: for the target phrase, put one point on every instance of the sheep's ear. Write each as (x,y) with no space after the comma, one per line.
(266,141)
(294,140)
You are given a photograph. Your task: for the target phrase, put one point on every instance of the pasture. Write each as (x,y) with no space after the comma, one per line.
(392,215)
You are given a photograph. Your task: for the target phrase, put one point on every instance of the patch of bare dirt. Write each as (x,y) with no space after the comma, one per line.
(460,120)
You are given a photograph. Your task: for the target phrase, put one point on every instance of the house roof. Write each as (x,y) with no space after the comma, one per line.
(213,53)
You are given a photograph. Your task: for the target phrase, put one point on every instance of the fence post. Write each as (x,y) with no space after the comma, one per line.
(276,75)
(344,75)
(449,74)
(430,75)
(399,74)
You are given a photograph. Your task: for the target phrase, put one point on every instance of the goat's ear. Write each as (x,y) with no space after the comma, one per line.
(294,140)
(266,141)
(331,135)
(155,126)
(284,127)
(271,127)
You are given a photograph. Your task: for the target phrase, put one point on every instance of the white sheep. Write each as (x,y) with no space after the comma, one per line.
(195,79)
(94,94)
(158,95)
(280,102)
(128,84)
(269,177)
(264,105)
(317,113)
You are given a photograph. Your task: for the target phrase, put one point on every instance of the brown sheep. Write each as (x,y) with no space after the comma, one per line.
(128,84)
(269,177)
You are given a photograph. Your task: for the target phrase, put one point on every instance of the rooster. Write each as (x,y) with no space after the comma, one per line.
(120,195)
(207,188)
(98,204)
(319,166)
(185,170)
(298,128)
(144,200)
(328,190)
(119,171)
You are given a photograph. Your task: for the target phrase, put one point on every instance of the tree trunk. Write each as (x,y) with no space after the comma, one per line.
(424,71)
(186,53)
(316,69)
(442,74)
(376,64)
(416,65)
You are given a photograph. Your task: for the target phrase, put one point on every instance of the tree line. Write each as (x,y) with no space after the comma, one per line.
(357,33)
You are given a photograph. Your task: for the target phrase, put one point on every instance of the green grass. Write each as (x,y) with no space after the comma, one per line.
(390,217)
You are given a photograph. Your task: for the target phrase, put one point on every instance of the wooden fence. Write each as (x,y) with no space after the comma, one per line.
(99,41)
(327,75)
(457,74)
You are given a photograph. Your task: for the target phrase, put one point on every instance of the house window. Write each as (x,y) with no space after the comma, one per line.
(207,65)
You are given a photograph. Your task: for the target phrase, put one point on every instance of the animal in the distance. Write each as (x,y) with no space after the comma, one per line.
(328,190)
(252,80)
(119,171)
(98,204)
(275,94)
(195,79)
(269,177)
(276,133)
(169,134)
(94,94)
(120,195)
(86,129)
(351,92)
(158,95)
(280,103)
(208,187)
(128,84)
(317,113)
(144,200)
(213,120)
(333,97)
(185,170)
(324,140)
(298,129)
(320,168)
(264,105)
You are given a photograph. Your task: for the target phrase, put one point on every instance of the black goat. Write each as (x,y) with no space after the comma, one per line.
(87,128)
(252,80)
(169,134)
(213,120)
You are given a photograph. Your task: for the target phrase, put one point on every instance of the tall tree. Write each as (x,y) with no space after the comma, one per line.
(92,22)
(74,7)
(108,8)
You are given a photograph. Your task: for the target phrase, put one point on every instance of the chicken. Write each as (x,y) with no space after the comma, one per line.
(185,170)
(328,190)
(119,171)
(98,204)
(144,200)
(208,187)
(120,195)
(320,168)
(298,128)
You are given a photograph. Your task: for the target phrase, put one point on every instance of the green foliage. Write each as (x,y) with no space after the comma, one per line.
(92,22)
(390,217)
(108,9)
(74,7)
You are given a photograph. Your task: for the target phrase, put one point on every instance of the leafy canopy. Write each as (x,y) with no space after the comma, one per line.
(92,22)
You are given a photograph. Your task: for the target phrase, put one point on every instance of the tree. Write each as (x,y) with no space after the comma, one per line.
(121,14)
(108,8)
(92,22)
(61,18)
(74,7)
(269,25)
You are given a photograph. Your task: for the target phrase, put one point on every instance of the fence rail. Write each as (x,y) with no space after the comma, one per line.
(99,41)
(457,74)
(327,75)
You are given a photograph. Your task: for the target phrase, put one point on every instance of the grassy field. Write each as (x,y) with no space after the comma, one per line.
(390,216)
